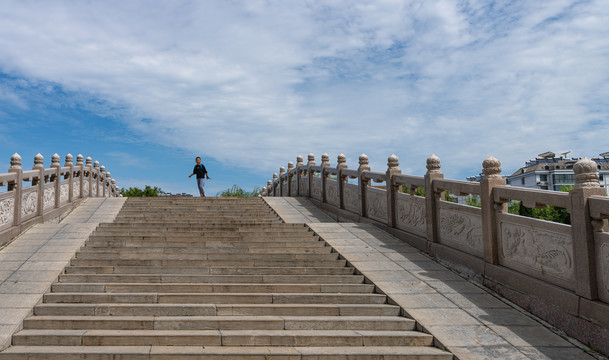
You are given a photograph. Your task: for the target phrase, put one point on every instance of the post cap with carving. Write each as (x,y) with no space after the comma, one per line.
(281,170)
(102,169)
(269,183)
(311,159)
(363,159)
(108,175)
(290,165)
(341,158)
(55,159)
(96,164)
(79,159)
(69,160)
(88,160)
(16,161)
(393,162)
(491,167)
(586,174)
(325,159)
(299,160)
(275,176)
(433,164)
(38,161)
(113,182)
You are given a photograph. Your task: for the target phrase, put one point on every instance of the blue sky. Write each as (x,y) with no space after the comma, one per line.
(249,85)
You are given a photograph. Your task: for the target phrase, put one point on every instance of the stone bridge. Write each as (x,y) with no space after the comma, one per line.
(87,275)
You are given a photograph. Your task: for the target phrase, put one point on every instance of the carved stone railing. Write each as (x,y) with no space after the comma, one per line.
(567,266)
(40,194)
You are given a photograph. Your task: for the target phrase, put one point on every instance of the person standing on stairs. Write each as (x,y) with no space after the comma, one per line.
(201,173)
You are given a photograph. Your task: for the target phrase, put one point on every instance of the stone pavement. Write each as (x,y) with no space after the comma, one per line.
(465,318)
(30,263)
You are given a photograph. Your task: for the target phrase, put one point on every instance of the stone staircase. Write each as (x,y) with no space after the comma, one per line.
(213,279)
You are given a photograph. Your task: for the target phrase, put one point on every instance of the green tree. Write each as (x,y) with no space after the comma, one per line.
(237,191)
(473,200)
(148,191)
(418,191)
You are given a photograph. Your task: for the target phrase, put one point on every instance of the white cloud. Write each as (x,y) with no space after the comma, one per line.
(255,83)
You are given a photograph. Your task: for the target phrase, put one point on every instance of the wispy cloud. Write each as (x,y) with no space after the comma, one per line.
(254,83)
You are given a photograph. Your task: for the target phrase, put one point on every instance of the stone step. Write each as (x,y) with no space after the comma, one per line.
(211,288)
(202,243)
(219,322)
(217,309)
(171,225)
(221,338)
(211,279)
(281,263)
(202,232)
(204,270)
(224,352)
(101,255)
(215,298)
(203,250)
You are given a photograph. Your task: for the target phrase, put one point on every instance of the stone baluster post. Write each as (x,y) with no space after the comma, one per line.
(263,193)
(281,173)
(16,187)
(491,168)
(582,232)
(393,164)
(39,182)
(109,190)
(290,176)
(341,163)
(432,198)
(325,163)
(70,176)
(113,192)
(310,162)
(55,159)
(97,173)
(102,181)
(275,184)
(89,178)
(298,165)
(81,169)
(269,186)
(362,183)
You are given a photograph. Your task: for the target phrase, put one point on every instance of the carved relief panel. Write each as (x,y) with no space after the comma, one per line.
(462,230)
(6,211)
(304,186)
(332,192)
(75,189)
(293,186)
(376,204)
(316,188)
(351,194)
(602,266)
(410,214)
(49,197)
(29,203)
(537,250)
(85,188)
(64,191)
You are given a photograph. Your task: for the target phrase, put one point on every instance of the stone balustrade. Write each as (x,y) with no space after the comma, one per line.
(559,272)
(40,194)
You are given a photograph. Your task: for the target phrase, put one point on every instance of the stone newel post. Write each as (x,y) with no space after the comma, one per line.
(341,163)
(281,180)
(393,164)
(109,191)
(491,168)
(432,198)
(298,165)
(102,180)
(39,182)
(81,173)
(16,186)
(586,185)
(113,187)
(269,186)
(89,171)
(56,178)
(362,183)
(325,163)
(289,177)
(96,168)
(70,177)
(310,162)
(275,184)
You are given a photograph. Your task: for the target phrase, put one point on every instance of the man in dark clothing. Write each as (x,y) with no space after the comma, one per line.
(201,173)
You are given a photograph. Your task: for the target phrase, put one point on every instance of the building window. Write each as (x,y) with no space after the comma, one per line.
(522,181)
(601,177)
(543,177)
(562,178)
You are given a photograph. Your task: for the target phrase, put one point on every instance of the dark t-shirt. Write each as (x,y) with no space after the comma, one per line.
(200,171)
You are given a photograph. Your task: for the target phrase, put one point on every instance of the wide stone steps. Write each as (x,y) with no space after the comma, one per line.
(223,338)
(209,270)
(226,352)
(282,263)
(131,309)
(213,279)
